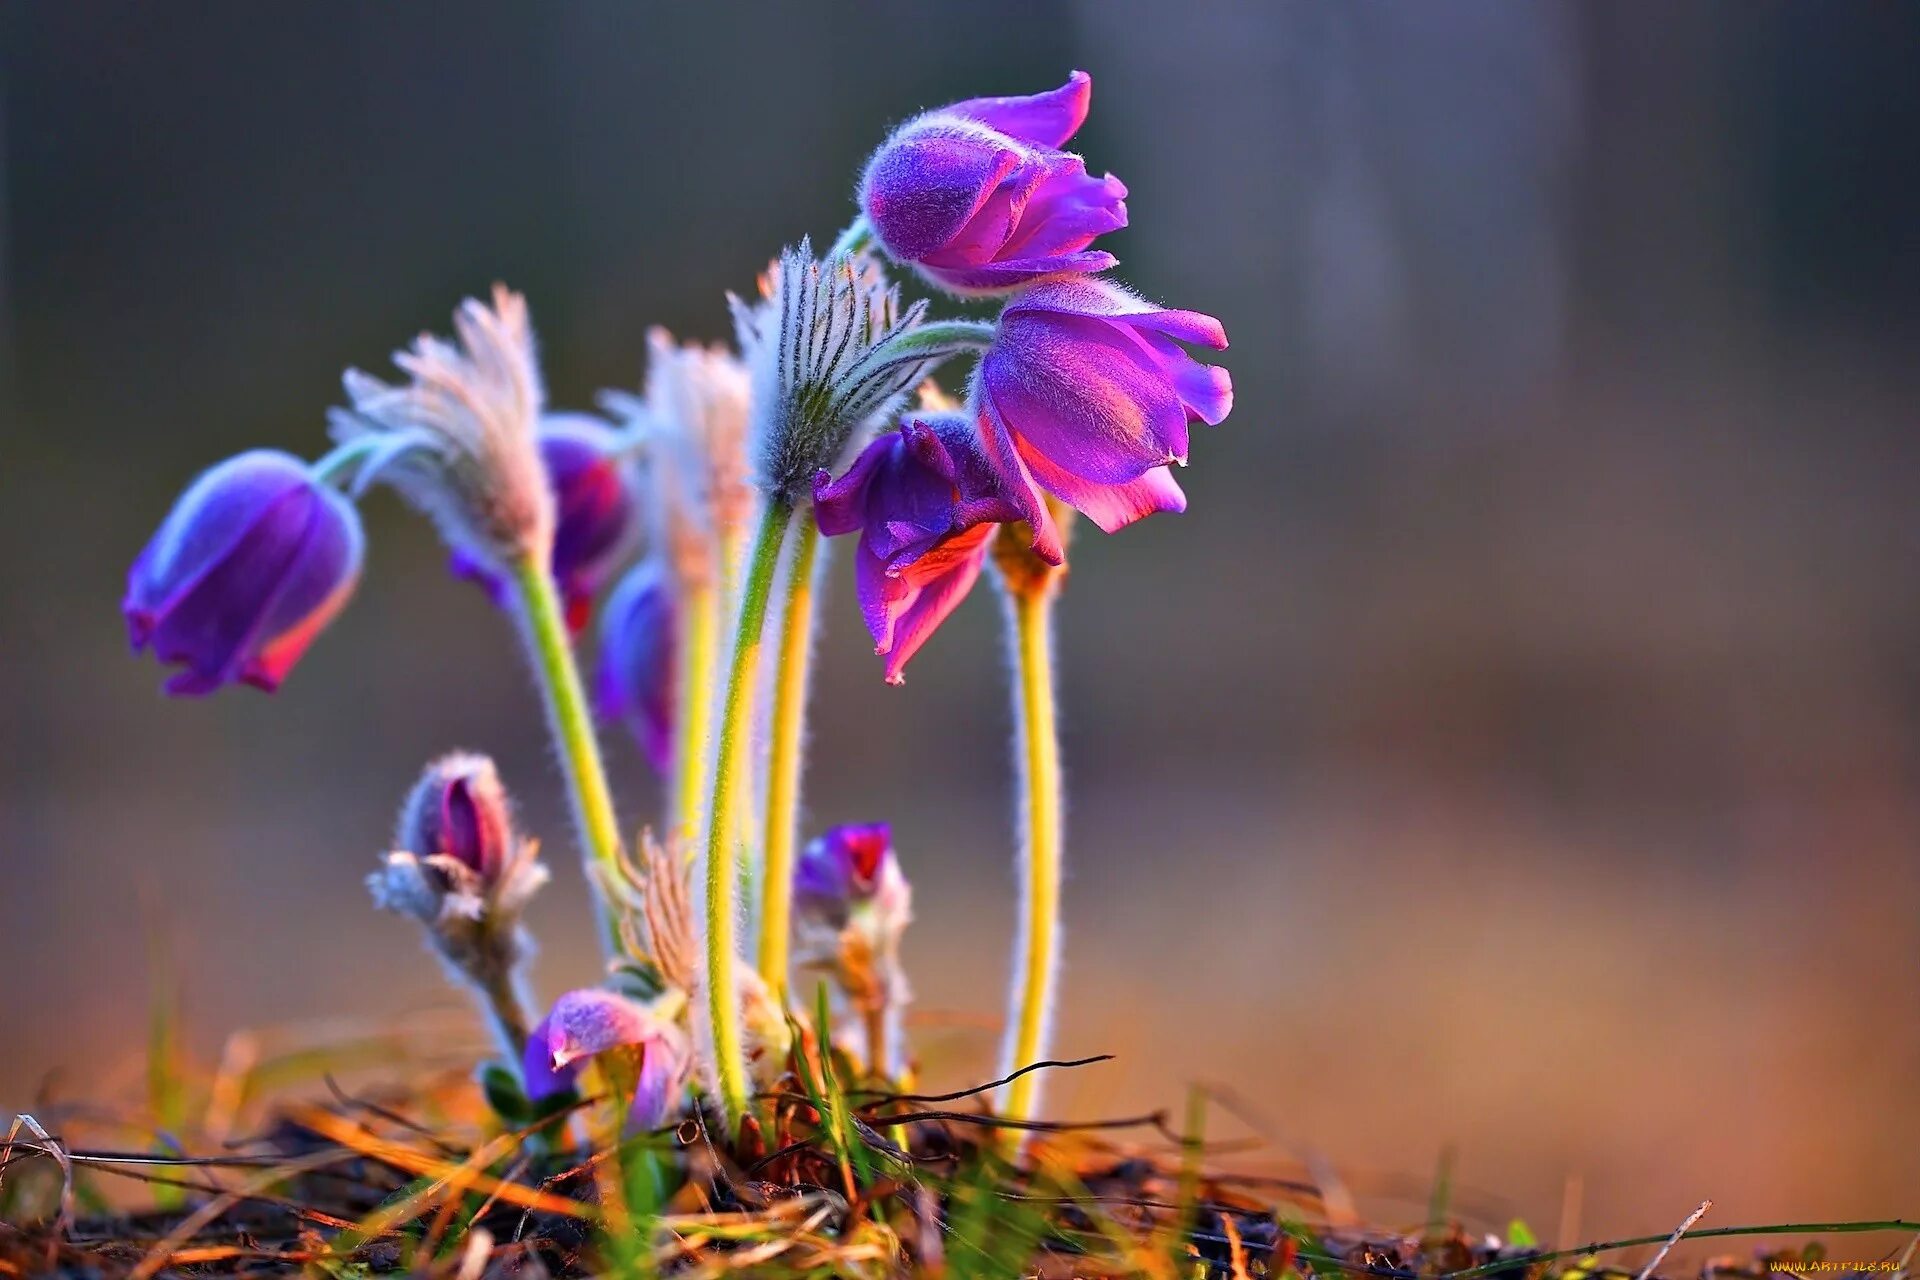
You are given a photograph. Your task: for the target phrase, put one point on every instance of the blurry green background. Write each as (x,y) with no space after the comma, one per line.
(1516,745)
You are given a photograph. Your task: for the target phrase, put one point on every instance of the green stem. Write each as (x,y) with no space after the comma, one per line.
(505,999)
(697,656)
(543,628)
(857,236)
(724,812)
(1036,948)
(787,729)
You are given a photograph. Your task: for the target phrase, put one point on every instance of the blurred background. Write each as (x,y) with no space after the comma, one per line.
(1516,746)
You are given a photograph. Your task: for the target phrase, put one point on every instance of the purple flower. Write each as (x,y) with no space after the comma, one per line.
(634,683)
(1087,392)
(254,559)
(844,866)
(590,1022)
(979,197)
(594,512)
(925,500)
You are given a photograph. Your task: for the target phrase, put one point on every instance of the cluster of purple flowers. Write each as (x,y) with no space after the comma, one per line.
(1082,396)
(1085,392)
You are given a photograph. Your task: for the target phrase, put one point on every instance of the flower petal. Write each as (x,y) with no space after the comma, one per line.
(1043,119)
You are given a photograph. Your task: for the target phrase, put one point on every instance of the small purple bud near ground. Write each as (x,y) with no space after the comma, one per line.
(254,560)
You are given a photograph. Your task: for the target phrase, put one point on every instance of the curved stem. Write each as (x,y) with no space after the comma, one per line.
(549,648)
(787,730)
(857,236)
(724,812)
(697,656)
(504,998)
(1037,946)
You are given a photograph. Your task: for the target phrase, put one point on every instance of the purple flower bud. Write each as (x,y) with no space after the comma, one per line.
(924,500)
(590,1022)
(844,867)
(254,559)
(634,683)
(980,199)
(459,810)
(595,520)
(1087,392)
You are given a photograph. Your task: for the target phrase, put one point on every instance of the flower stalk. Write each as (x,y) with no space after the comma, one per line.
(549,649)
(787,730)
(1031,587)
(697,654)
(724,812)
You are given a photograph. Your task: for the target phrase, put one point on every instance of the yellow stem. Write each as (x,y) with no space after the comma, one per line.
(1036,950)
(549,648)
(787,730)
(724,813)
(697,656)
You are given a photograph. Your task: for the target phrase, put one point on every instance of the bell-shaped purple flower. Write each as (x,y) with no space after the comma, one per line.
(925,500)
(634,680)
(590,1022)
(843,867)
(595,515)
(980,199)
(252,562)
(1087,392)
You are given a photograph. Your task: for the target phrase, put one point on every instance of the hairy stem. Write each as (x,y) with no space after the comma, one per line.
(787,730)
(549,649)
(857,236)
(724,812)
(1037,945)
(504,998)
(697,656)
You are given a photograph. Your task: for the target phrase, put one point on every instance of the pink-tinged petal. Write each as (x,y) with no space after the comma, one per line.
(590,1021)
(912,603)
(1067,212)
(1085,393)
(665,1063)
(1043,119)
(1111,506)
(998,448)
(1107,299)
(998,277)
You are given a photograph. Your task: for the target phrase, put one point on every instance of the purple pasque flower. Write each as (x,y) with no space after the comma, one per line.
(637,668)
(1087,393)
(925,500)
(595,516)
(852,906)
(253,561)
(980,199)
(587,1023)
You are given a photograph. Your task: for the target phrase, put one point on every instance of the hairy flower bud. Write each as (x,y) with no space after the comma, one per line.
(459,440)
(460,867)
(596,514)
(852,905)
(978,197)
(830,349)
(255,558)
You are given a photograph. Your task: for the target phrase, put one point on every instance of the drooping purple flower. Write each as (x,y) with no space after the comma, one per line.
(1087,392)
(634,680)
(595,519)
(852,906)
(979,197)
(925,500)
(252,562)
(590,1022)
